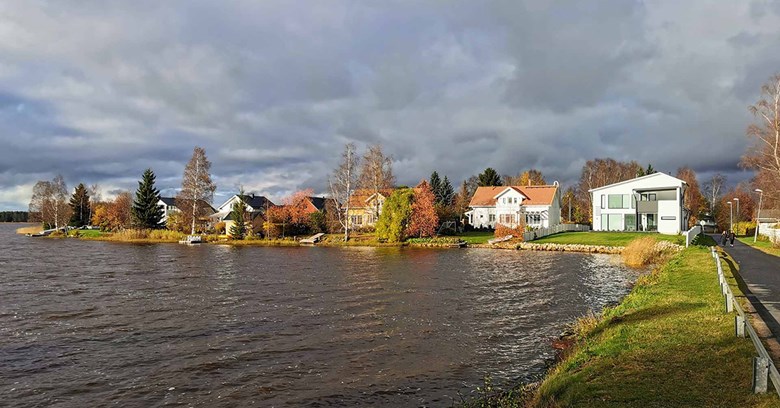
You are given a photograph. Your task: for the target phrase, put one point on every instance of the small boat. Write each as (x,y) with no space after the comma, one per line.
(192,240)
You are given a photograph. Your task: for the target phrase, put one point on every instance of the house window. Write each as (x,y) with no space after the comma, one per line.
(533,219)
(507,219)
(629,222)
(515,200)
(357,220)
(648,197)
(603,201)
(491,217)
(619,201)
(369,218)
(614,221)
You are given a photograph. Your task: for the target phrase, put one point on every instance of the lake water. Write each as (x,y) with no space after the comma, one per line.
(93,323)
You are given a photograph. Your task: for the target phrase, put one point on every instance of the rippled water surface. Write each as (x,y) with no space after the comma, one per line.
(92,323)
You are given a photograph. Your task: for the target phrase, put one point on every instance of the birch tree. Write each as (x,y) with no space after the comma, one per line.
(342,185)
(712,190)
(376,173)
(49,204)
(197,188)
(764,154)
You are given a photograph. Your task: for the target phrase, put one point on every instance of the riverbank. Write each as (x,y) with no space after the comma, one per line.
(668,343)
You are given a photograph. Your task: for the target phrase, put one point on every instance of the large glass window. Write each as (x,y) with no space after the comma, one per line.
(619,201)
(630,222)
(614,222)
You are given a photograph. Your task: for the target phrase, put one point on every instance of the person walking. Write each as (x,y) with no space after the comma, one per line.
(723,236)
(732,235)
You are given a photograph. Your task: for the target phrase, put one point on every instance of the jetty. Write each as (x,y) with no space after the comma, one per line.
(501,239)
(192,240)
(313,239)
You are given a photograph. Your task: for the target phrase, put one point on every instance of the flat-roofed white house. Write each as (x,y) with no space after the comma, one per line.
(538,206)
(648,203)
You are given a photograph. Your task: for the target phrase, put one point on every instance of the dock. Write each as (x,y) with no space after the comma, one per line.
(313,239)
(192,240)
(501,239)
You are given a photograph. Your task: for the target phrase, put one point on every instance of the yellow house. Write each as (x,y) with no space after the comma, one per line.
(365,206)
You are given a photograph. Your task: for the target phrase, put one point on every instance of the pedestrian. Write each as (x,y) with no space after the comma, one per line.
(731,238)
(723,236)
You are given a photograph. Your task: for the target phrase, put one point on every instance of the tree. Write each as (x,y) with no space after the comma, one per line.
(601,172)
(342,185)
(423,220)
(49,204)
(95,197)
(713,188)
(237,210)
(197,188)
(764,153)
(146,213)
(376,173)
(489,178)
(530,177)
(692,198)
(447,192)
(436,184)
(568,204)
(394,220)
(80,208)
(114,215)
(463,199)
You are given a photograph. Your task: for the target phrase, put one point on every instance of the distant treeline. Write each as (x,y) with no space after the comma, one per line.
(14,216)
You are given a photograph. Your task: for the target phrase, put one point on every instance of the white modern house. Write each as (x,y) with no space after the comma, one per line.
(538,206)
(255,206)
(168,205)
(648,203)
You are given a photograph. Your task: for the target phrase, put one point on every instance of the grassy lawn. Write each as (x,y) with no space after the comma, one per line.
(606,238)
(88,233)
(476,237)
(667,344)
(765,246)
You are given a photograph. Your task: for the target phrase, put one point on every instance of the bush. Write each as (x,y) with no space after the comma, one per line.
(166,235)
(219,227)
(646,250)
(502,231)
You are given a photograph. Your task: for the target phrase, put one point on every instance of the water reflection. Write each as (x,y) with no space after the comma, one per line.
(226,326)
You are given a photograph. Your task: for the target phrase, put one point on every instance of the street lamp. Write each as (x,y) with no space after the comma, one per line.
(731,217)
(736,212)
(758,215)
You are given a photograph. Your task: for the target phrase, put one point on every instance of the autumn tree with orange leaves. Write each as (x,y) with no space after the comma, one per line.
(423,221)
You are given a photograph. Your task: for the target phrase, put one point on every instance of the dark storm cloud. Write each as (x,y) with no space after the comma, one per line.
(99,91)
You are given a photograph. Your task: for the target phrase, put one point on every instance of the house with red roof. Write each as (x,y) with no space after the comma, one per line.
(537,206)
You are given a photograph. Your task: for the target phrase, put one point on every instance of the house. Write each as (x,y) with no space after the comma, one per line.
(168,205)
(537,206)
(255,205)
(314,204)
(768,223)
(365,206)
(649,203)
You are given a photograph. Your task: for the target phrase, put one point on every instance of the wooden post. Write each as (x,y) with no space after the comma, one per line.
(760,374)
(739,325)
(729,303)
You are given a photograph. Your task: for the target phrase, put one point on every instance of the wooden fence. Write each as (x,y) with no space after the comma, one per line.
(543,232)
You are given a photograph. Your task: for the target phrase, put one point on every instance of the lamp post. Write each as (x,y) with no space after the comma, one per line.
(758,215)
(731,217)
(736,212)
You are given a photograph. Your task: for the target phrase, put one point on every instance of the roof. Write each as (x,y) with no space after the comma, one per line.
(168,200)
(361,196)
(770,214)
(536,195)
(318,202)
(171,201)
(654,175)
(257,202)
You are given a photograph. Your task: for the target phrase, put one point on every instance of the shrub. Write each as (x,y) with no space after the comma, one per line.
(646,250)
(502,231)
(219,227)
(166,235)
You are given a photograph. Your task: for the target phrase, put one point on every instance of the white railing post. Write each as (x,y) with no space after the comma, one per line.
(739,325)
(760,374)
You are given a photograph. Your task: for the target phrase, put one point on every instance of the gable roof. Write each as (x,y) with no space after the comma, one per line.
(649,176)
(361,196)
(318,202)
(168,200)
(536,195)
(511,188)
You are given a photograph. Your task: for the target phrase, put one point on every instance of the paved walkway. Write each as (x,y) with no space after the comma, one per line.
(761,273)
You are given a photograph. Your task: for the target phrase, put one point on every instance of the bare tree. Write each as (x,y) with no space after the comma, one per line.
(376,173)
(342,185)
(693,197)
(95,197)
(764,154)
(712,190)
(49,202)
(197,188)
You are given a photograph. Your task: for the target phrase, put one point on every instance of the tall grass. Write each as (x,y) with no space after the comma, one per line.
(646,251)
(29,230)
(146,235)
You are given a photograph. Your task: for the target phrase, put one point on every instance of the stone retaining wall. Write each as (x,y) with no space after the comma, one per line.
(593,249)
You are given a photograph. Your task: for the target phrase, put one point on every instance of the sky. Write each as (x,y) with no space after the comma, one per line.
(100,90)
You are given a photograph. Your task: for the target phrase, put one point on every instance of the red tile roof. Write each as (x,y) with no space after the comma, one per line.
(536,195)
(361,195)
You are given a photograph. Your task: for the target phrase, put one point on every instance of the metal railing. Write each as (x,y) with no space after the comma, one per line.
(543,232)
(763,366)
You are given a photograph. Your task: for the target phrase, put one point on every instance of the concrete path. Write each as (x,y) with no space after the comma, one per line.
(761,274)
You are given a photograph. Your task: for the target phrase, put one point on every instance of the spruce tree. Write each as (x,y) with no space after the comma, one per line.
(146,213)
(489,178)
(79,203)
(435,184)
(447,192)
(238,229)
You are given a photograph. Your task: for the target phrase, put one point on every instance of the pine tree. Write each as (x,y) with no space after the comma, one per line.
(79,204)
(238,229)
(447,192)
(146,213)
(489,178)
(435,184)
